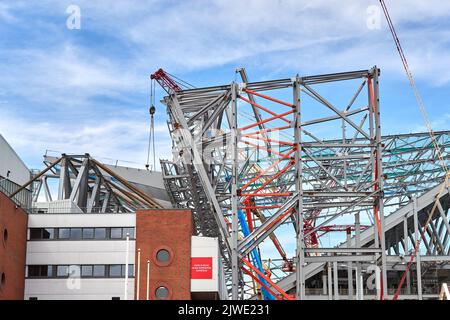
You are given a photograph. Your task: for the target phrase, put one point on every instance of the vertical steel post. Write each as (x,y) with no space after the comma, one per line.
(324,284)
(358,274)
(234,196)
(406,249)
(330,281)
(350,269)
(416,238)
(300,253)
(380,182)
(336,280)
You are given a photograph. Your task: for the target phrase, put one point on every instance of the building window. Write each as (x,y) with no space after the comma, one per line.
(100,233)
(42,233)
(130,270)
(163,256)
(33,271)
(62,271)
(129,231)
(48,233)
(115,270)
(49,271)
(64,233)
(161,293)
(99,270)
(86,271)
(40,271)
(35,233)
(88,233)
(116,233)
(115,298)
(75,233)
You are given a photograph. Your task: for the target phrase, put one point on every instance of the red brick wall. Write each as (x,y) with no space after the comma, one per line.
(13,251)
(164,229)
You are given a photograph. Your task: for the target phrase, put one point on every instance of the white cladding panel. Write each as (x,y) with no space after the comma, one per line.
(10,161)
(206,247)
(53,220)
(88,289)
(79,252)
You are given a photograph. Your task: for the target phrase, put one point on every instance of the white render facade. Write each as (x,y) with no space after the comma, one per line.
(82,252)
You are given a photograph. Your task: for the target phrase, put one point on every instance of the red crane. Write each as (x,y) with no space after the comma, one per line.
(166,81)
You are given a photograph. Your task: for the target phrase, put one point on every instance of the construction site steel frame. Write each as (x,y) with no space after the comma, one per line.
(260,153)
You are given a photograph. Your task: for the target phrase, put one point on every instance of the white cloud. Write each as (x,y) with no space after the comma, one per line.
(120,139)
(60,73)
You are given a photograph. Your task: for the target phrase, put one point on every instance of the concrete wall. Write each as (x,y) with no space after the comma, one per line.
(10,161)
(170,230)
(13,231)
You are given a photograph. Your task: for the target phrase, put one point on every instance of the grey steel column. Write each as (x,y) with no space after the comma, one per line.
(299,274)
(234,196)
(359,284)
(324,284)
(406,240)
(330,281)
(380,183)
(350,269)
(417,237)
(336,280)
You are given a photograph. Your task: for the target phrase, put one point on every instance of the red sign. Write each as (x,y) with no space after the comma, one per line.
(201,267)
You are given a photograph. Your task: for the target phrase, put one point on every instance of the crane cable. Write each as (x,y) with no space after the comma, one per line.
(433,139)
(151,134)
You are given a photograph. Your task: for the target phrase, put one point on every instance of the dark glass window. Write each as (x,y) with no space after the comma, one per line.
(116,233)
(34,271)
(62,271)
(86,271)
(88,233)
(75,233)
(163,256)
(100,233)
(64,233)
(50,270)
(130,232)
(35,233)
(99,271)
(40,271)
(130,270)
(162,293)
(115,270)
(48,233)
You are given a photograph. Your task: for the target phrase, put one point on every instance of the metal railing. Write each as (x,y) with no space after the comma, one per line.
(21,199)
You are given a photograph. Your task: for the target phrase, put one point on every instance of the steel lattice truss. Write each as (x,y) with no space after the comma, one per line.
(90,185)
(262,156)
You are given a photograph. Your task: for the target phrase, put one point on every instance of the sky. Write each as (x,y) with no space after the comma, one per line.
(86,89)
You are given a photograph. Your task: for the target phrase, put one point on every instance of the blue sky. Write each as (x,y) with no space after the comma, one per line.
(87,90)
